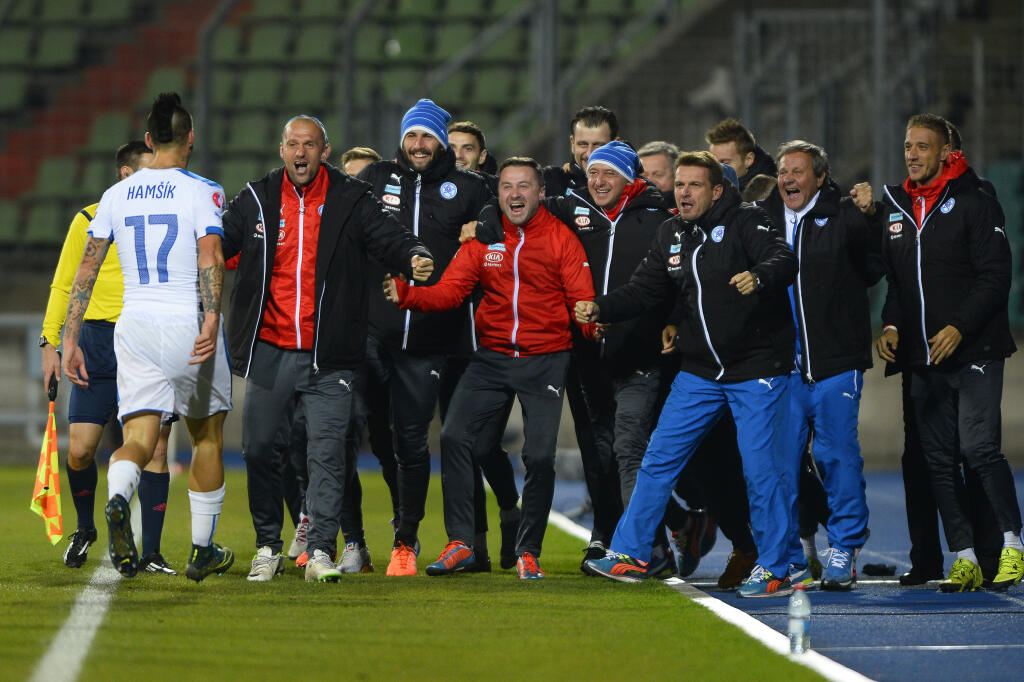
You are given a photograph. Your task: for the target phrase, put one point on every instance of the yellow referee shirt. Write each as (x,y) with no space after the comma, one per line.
(108,293)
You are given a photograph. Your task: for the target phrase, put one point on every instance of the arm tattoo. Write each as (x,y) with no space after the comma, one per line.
(85,280)
(211,284)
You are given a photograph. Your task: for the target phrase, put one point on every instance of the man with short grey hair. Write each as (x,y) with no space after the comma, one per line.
(658,159)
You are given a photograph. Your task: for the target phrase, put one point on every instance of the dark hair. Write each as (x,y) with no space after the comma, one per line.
(703,160)
(129,154)
(168,121)
(934,123)
(592,117)
(759,187)
(469,128)
(731,130)
(523,161)
(359,153)
(819,158)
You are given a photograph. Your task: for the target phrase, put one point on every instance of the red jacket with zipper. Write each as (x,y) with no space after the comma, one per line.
(531,284)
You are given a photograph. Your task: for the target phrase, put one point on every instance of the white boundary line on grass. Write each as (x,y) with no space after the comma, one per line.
(68,651)
(775,641)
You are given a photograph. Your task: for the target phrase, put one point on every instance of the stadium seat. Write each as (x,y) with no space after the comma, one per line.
(249,133)
(58,48)
(97,176)
(317,44)
(592,33)
(501,7)
(22,12)
(46,225)
(270,9)
(259,87)
(369,44)
(453,38)
(10,223)
(508,47)
(309,89)
(227,44)
(451,91)
(108,132)
(222,89)
(56,177)
(418,10)
(13,87)
(603,8)
(413,42)
(268,43)
(170,79)
(51,12)
(401,83)
(321,9)
(16,47)
(109,11)
(234,173)
(470,10)
(495,87)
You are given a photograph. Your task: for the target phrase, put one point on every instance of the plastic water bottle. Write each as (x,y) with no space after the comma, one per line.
(799,621)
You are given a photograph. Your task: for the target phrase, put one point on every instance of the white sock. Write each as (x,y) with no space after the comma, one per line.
(968,554)
(206,507)
(810,549)
(122,479)
(1012,540)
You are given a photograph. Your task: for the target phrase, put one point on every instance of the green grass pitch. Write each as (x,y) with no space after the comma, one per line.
(482,626)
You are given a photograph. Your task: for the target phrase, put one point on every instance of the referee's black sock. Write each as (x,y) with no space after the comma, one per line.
(83,492)
(153,500)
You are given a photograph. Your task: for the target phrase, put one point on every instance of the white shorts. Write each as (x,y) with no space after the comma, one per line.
(153,374)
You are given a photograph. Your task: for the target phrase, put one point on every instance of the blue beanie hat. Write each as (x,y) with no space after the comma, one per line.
(428,117)
(620,156)
(730,174)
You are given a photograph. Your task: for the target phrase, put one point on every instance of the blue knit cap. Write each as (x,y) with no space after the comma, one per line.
(428,117)
(730,174)
(620,156)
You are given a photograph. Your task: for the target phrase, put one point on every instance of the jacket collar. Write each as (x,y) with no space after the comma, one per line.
(438,168)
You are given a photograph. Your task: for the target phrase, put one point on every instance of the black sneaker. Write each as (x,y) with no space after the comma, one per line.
(78,550)
(594,551)
(123,554)
(482,565)
(916,576)
(509,531)
(154,562)
(206,560)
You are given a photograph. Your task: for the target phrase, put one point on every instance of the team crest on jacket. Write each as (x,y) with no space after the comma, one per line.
(449,190)
(896,228)
(718,233)
(820,222)
(948,205)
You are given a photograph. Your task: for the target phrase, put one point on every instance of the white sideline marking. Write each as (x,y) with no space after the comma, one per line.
(64,659)
(776,641)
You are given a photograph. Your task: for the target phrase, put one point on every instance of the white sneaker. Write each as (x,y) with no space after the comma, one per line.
(320,568)
(265,565)
(298,545)
(355,559)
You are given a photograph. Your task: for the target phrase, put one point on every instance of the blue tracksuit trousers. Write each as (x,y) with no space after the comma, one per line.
(830,407)
(761,410)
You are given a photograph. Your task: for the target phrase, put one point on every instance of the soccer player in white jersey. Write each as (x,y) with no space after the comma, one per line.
(166,224)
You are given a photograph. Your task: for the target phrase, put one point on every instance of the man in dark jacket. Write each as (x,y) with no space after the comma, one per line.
(297,325)
(949,270)
(837,244)
(613,386)
(732,269)
(732,143)
(590,128)
(433,198)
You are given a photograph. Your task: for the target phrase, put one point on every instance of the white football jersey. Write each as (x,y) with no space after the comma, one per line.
(155,217)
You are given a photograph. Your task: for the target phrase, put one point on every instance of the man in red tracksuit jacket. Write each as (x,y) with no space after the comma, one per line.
(531,283)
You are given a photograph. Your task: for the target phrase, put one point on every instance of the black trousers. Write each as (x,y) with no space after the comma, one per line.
(962,407)
(594,435)
(922,513)
(491,379)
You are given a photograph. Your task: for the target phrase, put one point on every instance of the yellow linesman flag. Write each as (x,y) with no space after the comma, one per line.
(46,496)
